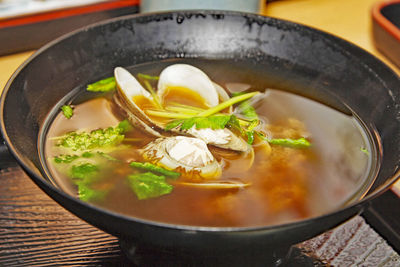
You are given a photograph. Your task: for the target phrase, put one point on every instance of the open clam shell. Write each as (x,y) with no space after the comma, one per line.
(189,77)
(130,92)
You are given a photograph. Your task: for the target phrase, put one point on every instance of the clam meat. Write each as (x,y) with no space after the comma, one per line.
(186,155)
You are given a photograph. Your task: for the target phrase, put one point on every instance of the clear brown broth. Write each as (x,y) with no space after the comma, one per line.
(286,185)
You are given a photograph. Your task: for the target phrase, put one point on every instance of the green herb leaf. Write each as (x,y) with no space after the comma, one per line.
(148,185)
(234,123)
(214,122)
(294,143)
(87,154)
(124,126)
(173,124)
(188,123)
(67,111)
(246,109)
(65,158)
(84,171)
(250,137)
(253,124)
(154,168)
(100,138)
(86,193)
(105,85)
(106,156)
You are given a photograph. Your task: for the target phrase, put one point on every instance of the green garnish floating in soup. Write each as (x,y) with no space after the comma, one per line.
(65,158)
(104,85)
(294,143)
(67,111)
(106,156)
(232,101)
(124,126)
(99,138)
(250,132)
(364,150)
(287,142)
(246,109)
(147,77)
(83,171)
(149,185)
(154,168)
(86,193)
(85,168)
(214,122)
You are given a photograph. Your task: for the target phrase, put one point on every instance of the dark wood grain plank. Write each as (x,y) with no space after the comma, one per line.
(36,231)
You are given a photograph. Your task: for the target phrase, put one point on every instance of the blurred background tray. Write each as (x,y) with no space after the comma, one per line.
(386,29)
(28,24)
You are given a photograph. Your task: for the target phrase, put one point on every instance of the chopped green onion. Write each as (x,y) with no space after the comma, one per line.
(105,85)
(182,110)
(185,106)
(147,77)
(295,143)
(365,151)
(287,142)
(226,104)
(153,94)
(67,111)
(164,114)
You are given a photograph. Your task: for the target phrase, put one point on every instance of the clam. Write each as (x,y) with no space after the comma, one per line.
(134,120)
(133,98)
(223,138)
(136,101)
(186,155)
(188,77)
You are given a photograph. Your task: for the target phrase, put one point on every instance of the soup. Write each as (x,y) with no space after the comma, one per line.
(166,143)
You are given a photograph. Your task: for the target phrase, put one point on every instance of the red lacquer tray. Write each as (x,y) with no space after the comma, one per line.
(34,30)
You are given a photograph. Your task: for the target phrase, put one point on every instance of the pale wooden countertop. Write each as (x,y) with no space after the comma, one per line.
(348,19)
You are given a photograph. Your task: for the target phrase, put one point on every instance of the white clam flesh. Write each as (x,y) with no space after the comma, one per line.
(223,138)
(186,155)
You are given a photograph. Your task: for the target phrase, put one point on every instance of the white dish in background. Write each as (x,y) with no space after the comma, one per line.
(252,6)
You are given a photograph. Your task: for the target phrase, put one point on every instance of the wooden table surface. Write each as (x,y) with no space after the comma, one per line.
(25,210)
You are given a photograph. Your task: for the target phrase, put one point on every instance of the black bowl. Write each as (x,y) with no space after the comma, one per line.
(308,61)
